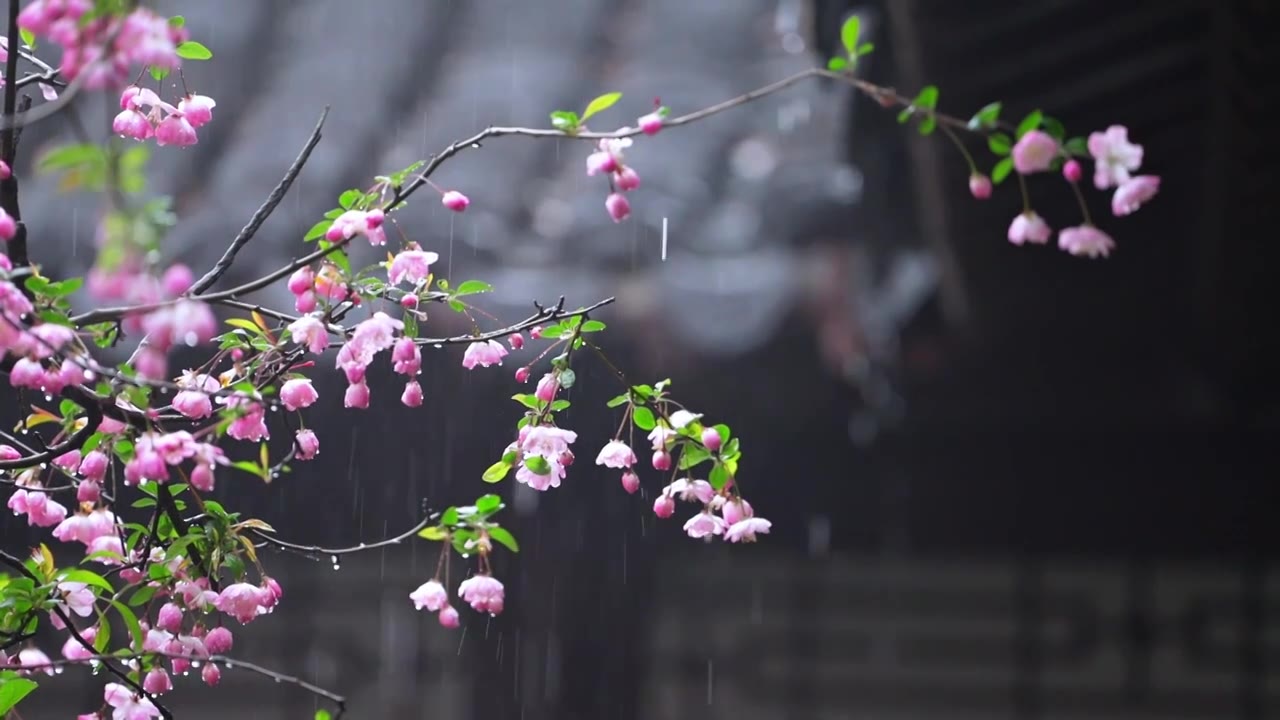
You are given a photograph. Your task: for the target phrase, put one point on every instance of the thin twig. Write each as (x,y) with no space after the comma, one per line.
(262,213)
(553,313)
(316,550)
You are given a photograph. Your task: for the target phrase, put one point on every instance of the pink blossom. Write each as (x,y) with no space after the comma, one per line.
(198,109)
(329,284)
(308,444)
(218,641)
(129,123)
(484,354)
(412,395)
(193,404)
(691,490)
(302,280)
(35,658)
(455,201)
(40,510)
(980,186)
(109,551)
(448,617)
(309,331)
(356,396)
(630,482)
(735,509)
(1034,152)
(177,279)
(601,162)
(1133,193)
(412,265)
(1029,227)
(704,525)
(169,618)
(541,481)
(8,226)
(618,206)
(616,454)
(5,171)
(242,601)
(305,302)
(1086,241)
(664,506)
(250,423)
(298,393)
(1114,156)
(68,461)
(127,705)
(516,340)
(78,597)
(175,130)
(681,418)
(745,530)
(406,357)
(157,682)
(626,179)
(430,595)
(711,439)
(661,460)
(547,386)
(358,222)
(483,592)
(211,675)
(522,374)
(650,124)
(73,650)
(88,491)
(1072,171)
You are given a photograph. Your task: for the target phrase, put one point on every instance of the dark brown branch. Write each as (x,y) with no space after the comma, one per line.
(316,550)
(93,418)
(262,213)
(543,315)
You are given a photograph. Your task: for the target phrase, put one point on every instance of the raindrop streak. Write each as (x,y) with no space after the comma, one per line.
(711,680)
(462,639)
(664,239)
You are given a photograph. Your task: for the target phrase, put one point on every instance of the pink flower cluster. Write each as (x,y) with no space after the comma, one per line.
(155,453)
(44,352)
(1115,159)
(608,159)
(141,37)
(169,125)
(309,286)
(484,593)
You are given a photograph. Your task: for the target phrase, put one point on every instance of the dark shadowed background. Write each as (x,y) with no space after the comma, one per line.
(1004,482)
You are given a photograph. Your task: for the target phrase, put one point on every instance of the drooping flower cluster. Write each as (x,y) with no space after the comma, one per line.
(103,46)
(169,125)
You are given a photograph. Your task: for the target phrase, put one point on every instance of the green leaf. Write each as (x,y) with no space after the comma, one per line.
(158,73)
(488,504)
(927,97)
(28,38)
(317,231)
(999,143)
(1001,170)
(1054,127)
(192,50)
(619,400)
(928,125)
(528,400)
(323,715)
(471,287)
(12,691)
(144,593)
(849,33)
(86,577)
(592,326)
(553,331)
(643,418)
(600,104)
(987,117)
(177,21)
(450,517)
(245,325)
(905,115)
(719,476)
(506,538)
(693,456)
(130,621)
(1029,123)
(349,198)
(565,120)
(1077,146)
(836,64)
(433,533)
(70,156)
(567,378)
(866,48)
(559,405)
(537,465)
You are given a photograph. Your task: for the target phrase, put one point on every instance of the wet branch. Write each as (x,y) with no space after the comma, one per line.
(261,214)
(317,551)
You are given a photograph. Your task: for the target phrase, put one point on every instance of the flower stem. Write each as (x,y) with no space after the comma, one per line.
(1084,208)
(968,157)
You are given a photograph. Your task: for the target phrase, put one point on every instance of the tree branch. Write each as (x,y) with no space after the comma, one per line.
(260,216)
(316,550)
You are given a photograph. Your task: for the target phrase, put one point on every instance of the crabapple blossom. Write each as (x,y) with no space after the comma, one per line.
(1034,152)
(1029,227)
(616,454)
(455,201)
(412,395)
(650,124)
(483,353)
(664,506)
(711,439)
(157,682)
(197,109)
(127,705)
(547,386)
(218,641)
(630,482)
(309,331)
(618,206)
(661,460)
(745,530)
(980,186)
(522,374)
(1072,171)
(308,444)
(1086,241)
(411,265)
(210,674)
(448,617)
(356,396)
(1133,193)
(298,393)
(430,595)
(704,525)
(1114,156)
(483,592)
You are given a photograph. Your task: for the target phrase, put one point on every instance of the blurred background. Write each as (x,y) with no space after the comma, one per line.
(1004,482)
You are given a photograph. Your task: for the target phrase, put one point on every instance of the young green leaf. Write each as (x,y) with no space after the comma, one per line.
(866,49)
(1001,170)
(506,538)
(496,472)
(12,691)
(600,104)
(987,117)
(488,504)
(927,97)
(849,33)
(317,231)
(471,287)
(565,120)
(1029,123)
(537,465)
(999,143)
(192,50)
(643,418)
(434,533)
(836,64)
